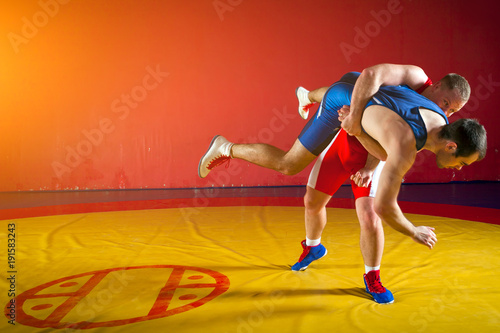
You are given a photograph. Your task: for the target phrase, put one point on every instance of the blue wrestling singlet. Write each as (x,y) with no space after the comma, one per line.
(403,100)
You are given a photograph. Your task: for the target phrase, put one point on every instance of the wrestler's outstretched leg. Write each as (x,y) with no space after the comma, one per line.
(261,154)
(314,138)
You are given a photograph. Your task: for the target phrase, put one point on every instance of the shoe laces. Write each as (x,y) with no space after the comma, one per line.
(218,161)
(305,252)
(374,284)
(307,106)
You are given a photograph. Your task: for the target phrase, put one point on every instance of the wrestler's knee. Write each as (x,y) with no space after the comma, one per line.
(368,218)
(369,221)
(289,169)
(313,204)
(295,160)
(289,166)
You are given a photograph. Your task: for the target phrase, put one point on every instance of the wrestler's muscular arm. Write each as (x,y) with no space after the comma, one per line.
(369,82)
(398,162)
(397,139)
(372,146)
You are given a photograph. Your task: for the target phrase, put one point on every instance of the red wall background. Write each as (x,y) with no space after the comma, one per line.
(128,94)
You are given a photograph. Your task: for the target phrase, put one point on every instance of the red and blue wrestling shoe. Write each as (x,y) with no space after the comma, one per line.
(375,288)
(309,254)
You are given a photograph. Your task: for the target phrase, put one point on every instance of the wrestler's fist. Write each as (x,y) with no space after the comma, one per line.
(363,177)
(349,124)
(425,236)
(344,112)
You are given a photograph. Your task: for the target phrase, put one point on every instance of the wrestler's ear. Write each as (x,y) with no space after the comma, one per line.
(451,147)
(436,85)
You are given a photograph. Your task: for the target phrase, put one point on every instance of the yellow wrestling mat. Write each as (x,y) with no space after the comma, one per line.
(227,269)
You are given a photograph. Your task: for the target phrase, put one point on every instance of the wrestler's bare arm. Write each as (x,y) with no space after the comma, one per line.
(372,146)
(398,162)
(369,82)
(396,137)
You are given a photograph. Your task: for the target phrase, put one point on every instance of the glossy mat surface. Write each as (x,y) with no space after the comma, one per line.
(227,269)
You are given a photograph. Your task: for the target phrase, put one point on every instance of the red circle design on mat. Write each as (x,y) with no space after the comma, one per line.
(161,307)
(42,307)
(186,297)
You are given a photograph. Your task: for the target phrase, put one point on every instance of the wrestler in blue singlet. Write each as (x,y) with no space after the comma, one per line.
(403,100)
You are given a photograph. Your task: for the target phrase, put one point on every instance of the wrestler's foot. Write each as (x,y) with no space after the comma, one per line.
(309,254)
(375,288)
(304,103)
(218,152)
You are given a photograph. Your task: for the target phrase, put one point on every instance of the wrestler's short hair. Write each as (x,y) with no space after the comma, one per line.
(458,82)
(468,134)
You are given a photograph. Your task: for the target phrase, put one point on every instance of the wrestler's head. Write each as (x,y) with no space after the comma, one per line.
(463,143)
(450,93)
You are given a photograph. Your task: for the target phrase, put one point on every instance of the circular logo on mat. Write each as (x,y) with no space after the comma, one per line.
(117,296)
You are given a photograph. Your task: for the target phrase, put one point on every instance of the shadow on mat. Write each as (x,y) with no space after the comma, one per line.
(358,292)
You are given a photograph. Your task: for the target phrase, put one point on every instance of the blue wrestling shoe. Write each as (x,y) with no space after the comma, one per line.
(375,288)
(309,254)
